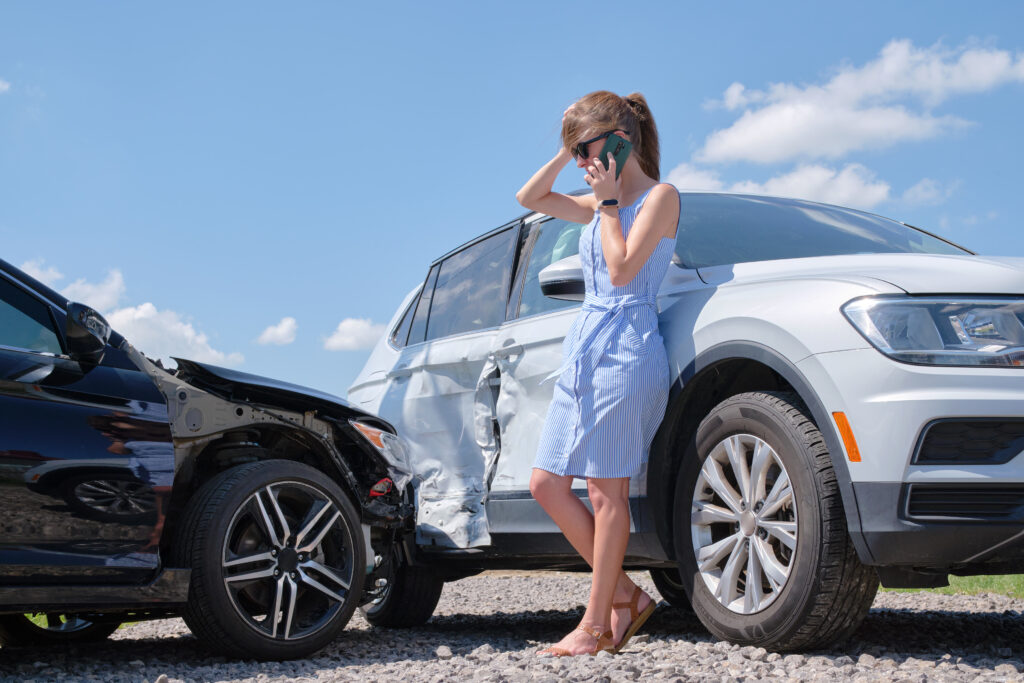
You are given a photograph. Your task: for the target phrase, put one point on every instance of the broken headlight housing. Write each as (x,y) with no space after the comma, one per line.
(951,331)
(391,447)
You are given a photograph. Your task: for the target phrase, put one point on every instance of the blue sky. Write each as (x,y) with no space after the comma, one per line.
(203,172)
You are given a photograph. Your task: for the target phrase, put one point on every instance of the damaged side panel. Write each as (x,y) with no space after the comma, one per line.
(430,395)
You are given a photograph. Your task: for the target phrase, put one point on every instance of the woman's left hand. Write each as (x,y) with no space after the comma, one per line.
(602,180)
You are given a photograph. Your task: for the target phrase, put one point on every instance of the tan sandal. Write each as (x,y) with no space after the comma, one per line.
(637,618)
(604,642)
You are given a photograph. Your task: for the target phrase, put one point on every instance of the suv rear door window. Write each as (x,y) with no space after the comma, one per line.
(472,287)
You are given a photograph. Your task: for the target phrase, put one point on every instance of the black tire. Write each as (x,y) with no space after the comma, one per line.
(671,588)
(250,561)
(410,597)
(60,629)
(807,595)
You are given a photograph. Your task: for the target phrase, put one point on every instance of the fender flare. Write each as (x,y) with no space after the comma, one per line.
(664,467)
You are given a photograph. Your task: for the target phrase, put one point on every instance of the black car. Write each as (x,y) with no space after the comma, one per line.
(258,510)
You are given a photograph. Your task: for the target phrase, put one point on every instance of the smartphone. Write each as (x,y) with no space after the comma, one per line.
(619,149)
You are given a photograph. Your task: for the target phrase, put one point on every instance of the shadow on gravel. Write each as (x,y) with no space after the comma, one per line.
(893,634)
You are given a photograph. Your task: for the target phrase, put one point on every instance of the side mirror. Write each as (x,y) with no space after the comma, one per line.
(563,279)
(87,333)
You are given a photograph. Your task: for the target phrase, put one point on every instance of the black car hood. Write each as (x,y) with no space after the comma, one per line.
(242,386)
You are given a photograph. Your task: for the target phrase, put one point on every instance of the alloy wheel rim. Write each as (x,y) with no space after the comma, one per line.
(743,523)
(288,560)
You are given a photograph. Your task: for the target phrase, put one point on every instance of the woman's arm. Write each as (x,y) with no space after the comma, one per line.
(536,194)
(658,219)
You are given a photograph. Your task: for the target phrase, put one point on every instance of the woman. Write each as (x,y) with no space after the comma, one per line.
(613,387)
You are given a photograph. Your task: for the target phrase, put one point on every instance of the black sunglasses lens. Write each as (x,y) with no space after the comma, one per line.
(580,151)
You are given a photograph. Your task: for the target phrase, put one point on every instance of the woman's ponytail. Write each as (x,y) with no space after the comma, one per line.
(648,152)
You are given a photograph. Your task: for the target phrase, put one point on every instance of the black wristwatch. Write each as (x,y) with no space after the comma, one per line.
(609,202)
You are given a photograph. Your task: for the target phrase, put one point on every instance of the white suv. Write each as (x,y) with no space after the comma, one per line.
(847,405)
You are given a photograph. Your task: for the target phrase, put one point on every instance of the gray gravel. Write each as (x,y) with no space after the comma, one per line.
(487,628)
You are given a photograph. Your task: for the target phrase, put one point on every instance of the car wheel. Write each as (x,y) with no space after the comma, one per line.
(760,531)
(670,586)
(51,628)
(277,557)
(408,599)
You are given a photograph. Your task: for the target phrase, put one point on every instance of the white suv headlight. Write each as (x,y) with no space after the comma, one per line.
(943,330)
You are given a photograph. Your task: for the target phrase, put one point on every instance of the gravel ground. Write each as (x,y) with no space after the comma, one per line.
(487,628)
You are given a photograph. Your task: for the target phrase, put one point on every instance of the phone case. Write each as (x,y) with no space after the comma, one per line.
(619,149)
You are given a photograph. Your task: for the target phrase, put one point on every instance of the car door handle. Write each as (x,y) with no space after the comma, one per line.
(400,372)
(506,351)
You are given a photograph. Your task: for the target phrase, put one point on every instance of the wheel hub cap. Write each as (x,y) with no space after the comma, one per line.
(287,560)
(748,523)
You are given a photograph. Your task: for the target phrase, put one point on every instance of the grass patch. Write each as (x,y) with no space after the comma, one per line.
(1006,584)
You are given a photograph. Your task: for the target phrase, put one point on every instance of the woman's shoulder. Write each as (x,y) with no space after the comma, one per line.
(662,194)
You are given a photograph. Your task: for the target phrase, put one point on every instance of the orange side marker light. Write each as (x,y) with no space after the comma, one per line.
(852,452)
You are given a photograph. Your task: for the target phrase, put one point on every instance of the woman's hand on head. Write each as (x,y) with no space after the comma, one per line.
(602,179)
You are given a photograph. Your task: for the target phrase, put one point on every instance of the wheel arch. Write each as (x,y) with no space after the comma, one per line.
(714,375)
(251,443)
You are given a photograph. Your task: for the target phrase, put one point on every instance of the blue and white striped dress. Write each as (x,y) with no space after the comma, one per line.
(612,389)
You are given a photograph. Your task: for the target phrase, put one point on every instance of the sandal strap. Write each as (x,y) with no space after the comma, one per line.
(633,604)
(596,633)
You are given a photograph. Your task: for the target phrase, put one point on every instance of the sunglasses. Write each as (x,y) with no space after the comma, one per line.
(579,150)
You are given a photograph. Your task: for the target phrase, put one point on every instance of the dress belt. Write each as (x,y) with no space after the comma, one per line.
(611,309)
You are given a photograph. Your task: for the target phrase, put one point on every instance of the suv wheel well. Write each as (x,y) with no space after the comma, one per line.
(240,446)
(709,387)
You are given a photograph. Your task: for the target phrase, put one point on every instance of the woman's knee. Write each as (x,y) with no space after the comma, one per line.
(608,494)
(544,485)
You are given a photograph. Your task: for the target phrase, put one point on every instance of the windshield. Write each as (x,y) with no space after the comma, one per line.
(717,229)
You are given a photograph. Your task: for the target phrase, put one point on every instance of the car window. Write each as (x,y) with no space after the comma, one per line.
(418,330)
(25,322)
(472,287)
(724,229)
(557,239)
(401,332)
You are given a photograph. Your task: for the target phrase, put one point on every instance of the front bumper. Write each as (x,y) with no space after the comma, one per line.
(945,514)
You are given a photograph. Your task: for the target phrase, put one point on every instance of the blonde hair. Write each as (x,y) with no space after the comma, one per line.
(604,111)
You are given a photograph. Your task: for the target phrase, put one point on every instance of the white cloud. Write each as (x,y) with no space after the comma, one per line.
(48,275)
(162,334)
(354,333)
(853,185)
(877,105)
(928,191)
(4,86)
(279,334)
(103,296)
(689,177)
(158,334)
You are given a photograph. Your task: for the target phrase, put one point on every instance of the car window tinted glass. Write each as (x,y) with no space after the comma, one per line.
(472,287)
(418,331)
(722,229)
(557,240)
(401,331)
(25,322)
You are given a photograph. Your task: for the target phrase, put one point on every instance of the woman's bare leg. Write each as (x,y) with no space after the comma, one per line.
(610,498)
(554,493)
